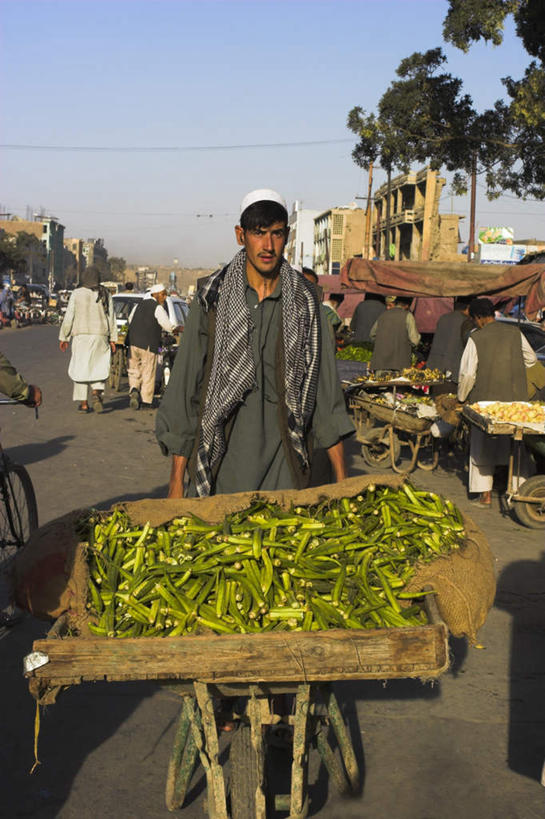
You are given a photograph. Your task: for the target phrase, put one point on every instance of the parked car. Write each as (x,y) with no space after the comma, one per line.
(533,333)
(125,303)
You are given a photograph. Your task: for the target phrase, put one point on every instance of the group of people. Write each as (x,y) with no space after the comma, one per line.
(254,395)
(90,324)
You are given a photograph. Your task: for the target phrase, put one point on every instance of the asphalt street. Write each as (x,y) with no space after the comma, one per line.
(470,745)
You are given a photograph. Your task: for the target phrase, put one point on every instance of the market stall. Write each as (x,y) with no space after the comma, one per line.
(257,594)
(524,423)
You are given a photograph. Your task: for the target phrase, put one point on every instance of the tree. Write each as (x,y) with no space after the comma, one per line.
(468,21)
(118,266)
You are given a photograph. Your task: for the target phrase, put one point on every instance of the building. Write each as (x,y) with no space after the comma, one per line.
(95,253)
(74,261)
(49,231)
(300,244)
(338,236)
(418,232)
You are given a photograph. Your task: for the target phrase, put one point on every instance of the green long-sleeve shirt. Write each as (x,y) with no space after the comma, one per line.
(255,457)
(11,383)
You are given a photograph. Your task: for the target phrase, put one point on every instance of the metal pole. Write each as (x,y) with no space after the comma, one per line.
(388,215)
(471,245)
(367,240)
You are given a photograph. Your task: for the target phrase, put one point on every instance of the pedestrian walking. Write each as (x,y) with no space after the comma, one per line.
(255,376)
(147,322)
(89,323)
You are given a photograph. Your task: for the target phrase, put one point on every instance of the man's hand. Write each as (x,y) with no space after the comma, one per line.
(177,330)
(63,346)
(177,472)
(34,396)
(113,346)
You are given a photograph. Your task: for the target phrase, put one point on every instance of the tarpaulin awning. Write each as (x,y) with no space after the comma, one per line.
(427,279)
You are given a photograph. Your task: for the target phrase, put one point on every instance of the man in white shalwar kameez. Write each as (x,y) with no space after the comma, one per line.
(89,322)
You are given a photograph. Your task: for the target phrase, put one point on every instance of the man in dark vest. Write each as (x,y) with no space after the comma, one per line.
(447,345)
(394,334)
(366,313)
(493,368)
(254,387)
(144,337)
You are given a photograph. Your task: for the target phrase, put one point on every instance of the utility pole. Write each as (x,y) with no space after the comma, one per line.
(368,211)
(388,214)
(471,244)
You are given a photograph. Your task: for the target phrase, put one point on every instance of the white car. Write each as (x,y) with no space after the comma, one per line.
(124,304)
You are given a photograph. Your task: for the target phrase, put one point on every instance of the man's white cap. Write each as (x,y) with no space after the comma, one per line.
(262,195)
(157,288)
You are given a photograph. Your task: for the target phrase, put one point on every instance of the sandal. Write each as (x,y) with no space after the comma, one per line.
(81,408)
(98,406)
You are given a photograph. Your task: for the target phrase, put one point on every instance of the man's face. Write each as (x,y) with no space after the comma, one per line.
(264,247)
(160,297)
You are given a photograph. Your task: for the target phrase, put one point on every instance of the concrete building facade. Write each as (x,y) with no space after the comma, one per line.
(94,252)
(300,244)
(50,233)
(418,232)
(77,260)
(338,236)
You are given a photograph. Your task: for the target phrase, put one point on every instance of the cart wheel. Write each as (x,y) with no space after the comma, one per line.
(244,774)
(377,451)
(531,514)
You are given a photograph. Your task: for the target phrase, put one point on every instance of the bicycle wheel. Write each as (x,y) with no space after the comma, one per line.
(18,510)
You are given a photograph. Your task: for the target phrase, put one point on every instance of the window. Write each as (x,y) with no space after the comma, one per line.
(336,250)
(336,268)
(338,223)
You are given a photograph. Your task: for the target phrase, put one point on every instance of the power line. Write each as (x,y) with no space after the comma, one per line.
(168,149)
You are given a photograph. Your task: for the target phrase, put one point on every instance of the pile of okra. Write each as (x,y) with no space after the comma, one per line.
(338,564)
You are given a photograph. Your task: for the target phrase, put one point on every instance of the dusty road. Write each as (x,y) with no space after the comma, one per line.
(472,745)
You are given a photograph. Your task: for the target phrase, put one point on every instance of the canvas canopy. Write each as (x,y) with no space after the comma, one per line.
(444,279)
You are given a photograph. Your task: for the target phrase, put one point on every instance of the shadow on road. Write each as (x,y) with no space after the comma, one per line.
(32,453)
(521,592)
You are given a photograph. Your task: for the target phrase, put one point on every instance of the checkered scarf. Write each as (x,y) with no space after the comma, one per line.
(233,372)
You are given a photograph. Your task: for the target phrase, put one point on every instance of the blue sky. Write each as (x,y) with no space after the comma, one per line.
(127,73)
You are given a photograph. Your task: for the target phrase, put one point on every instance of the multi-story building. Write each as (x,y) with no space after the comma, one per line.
(300,244)
(338,235)
(51,233)
(94,252)
(76,259)
(418,232)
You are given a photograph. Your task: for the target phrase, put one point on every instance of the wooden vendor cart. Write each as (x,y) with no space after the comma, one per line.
(383,430)
(118,363)
(255,666)
(528,500)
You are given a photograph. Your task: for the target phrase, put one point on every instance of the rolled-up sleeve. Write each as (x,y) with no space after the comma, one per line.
(331,421)
(178,414)
(11,383)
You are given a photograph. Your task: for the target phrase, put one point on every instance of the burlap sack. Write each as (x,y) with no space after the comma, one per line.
(465,584)
(45,570)
(464,581)
(449,409)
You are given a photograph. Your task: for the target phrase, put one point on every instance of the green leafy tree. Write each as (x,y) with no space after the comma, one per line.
(522,170)
(118,265)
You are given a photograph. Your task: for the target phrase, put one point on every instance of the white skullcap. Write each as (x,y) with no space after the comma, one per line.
(157,288)
(262,195)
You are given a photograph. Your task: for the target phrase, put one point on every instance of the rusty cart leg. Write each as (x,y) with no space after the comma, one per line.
(343,738)
(183,757)
(393,438)
(434,458)
(206,739)
(299,767)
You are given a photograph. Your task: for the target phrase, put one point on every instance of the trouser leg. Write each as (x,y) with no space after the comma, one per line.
(148,369)
(80,391)
(134,368)
(98,386)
